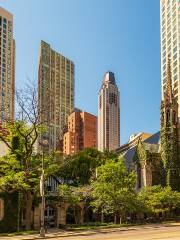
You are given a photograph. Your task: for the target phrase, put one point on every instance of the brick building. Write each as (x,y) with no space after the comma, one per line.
(81,134)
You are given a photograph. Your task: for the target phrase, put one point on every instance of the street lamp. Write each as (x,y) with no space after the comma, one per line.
(42,230)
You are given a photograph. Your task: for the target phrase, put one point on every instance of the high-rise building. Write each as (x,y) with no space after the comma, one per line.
(170,45)
(7,66)
(55,92)
(108,114)
(170,90)
(82,132)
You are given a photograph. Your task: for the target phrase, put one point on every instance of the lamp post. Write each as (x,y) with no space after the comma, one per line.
(42,230)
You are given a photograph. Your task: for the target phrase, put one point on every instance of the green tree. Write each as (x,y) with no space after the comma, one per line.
(114,189)
(81,167)
(158,199)
(19,169)
(66,194)
(74,196)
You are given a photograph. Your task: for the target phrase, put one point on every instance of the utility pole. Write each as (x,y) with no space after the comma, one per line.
(42,230)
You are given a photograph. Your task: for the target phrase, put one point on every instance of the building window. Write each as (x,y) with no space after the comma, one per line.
(167,116)
(164,67)
(174,117)
(175,70)
(174,43)
(100,103)
(174,36)
(175,50)
(175,56)
(175,77)
(176,91)
(175,63)
(175,85)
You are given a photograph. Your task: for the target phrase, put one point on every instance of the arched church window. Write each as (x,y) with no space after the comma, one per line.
(162,118)
(174,117)
(1,209)
(168,116)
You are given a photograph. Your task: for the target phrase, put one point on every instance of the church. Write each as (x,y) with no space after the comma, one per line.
(156,158)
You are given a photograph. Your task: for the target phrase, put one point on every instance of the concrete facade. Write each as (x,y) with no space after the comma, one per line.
(170,45)
(61,214)
(55,92)
(108,114)
(7,66)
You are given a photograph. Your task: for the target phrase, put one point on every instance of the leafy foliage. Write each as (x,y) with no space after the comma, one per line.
(81,168)
(170,156)
(114,189)
(156,199)
(19,169)
(9,222)
(149,159)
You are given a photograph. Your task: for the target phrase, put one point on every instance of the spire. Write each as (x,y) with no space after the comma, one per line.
(169,81)
(109,77)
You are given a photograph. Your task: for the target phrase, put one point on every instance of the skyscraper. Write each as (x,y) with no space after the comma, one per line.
(108,114)
(81,134)
(55,92)
(7,66)
(170,46)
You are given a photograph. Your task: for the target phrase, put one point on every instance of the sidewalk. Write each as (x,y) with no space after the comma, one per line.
(57,233)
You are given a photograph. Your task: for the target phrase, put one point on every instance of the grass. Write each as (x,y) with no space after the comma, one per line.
(18,233)
(85,226)
(98,225)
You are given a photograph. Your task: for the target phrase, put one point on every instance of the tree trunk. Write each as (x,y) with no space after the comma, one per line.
(82,216)
(122,216)
(120,219)
(102,217)
(28,205)
(75,216)
(115,218)
(170,212)
(19,212)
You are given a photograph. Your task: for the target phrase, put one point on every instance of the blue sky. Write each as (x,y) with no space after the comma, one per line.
(98,35)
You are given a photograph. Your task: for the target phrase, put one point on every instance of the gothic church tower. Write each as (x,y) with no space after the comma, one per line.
(170,149)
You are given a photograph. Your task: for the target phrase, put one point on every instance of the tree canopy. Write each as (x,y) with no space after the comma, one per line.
(114,189)
(158,199)
(81,167)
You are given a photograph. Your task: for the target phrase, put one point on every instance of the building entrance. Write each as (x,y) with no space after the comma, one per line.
(50,216)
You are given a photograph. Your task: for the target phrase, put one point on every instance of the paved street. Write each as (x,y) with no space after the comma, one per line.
(148,232)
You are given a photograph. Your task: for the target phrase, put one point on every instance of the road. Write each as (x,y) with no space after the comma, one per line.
(146,232)
(137,233)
